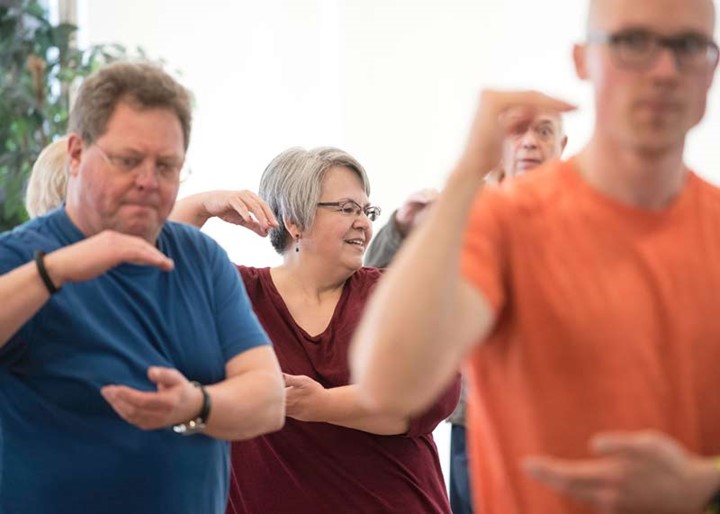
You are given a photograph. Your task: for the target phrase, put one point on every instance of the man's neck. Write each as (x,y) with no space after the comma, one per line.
(645,179)
(91,226)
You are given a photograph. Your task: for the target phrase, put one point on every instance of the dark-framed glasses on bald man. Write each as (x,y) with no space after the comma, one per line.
(640,49)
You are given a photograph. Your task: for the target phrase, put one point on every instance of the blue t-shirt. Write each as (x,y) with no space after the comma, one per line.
(62,447)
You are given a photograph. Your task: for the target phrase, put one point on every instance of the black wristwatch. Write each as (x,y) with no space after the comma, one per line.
(196,425)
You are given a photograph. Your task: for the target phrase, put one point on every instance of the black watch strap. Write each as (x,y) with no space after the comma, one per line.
(197,424)
(206,404)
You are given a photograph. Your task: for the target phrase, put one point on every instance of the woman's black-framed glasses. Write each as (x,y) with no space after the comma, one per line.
(352,208)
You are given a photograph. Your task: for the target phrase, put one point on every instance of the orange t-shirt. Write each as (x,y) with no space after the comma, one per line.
(608,318)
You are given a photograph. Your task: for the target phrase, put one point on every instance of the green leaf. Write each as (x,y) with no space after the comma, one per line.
(31,113)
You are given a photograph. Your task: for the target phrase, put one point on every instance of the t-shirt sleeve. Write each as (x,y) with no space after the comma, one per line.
(15,252)
(238,327)
(12,254)
(426,422)
(483,256)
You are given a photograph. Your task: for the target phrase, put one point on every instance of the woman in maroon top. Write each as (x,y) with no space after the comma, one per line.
(332,456)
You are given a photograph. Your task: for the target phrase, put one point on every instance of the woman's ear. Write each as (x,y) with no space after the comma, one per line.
(295,233)
(292,227)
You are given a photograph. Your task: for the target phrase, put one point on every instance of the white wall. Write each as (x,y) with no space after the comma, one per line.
(392,81)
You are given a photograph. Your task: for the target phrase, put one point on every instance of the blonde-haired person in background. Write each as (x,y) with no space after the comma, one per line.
(47,186)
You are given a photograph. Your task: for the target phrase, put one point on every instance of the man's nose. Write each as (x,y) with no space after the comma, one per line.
(145,175)
(529,139)
(666,64)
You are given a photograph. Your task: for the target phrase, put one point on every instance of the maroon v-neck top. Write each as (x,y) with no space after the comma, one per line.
(322,468)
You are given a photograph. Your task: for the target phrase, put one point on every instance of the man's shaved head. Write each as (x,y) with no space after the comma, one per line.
(599,10)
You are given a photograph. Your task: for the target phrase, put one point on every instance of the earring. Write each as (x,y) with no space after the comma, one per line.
(297,243)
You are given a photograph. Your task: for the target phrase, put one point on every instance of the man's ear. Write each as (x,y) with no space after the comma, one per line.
(580,60)
(75,149)
(563,144)
(711,75)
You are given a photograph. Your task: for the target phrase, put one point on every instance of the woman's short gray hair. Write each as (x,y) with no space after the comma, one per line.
(47,186)
(292,182)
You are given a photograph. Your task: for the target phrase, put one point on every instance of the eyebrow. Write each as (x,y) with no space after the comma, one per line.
(543,123)
(687,32)
(368,204)
(136,152)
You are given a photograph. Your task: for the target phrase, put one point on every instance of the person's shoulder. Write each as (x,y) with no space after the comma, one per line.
(182,239)
(704,187)
(183,230)
(35,234)
(367,277)
(362,283)
(704,197)
(369,273)
(541,189)
(539,186)
(251,273)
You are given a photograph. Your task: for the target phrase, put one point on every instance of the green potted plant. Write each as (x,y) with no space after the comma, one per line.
(39,67)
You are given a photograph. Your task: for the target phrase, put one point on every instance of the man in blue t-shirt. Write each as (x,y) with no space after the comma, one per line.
(121,333)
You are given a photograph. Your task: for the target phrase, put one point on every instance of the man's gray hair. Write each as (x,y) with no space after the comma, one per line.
(142,85)
(291,185)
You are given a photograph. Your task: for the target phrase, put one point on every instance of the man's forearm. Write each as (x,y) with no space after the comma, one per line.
(398,358)
(251,401)
(23,294)
(246,406)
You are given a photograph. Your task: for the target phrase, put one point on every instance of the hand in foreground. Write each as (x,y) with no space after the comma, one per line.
(413,210)
(303,398)
(97,254)
(643,472)
(175,401)
(499,114)
(243,208)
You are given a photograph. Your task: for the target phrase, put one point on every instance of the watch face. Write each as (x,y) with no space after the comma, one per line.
(195,426)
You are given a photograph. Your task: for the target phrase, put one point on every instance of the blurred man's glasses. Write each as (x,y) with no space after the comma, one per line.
(639,49)
(166,169)
(352,208)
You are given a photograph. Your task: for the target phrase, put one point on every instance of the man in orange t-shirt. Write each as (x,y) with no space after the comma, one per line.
(585,292)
